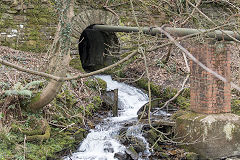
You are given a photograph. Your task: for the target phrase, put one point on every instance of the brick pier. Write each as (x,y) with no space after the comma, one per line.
(209,129)
(208,93)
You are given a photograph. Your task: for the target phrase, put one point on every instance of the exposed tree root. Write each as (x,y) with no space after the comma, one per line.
(40,134)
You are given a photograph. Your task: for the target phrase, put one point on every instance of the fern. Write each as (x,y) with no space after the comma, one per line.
(18,86)
(19,90)
(4,85)
(25,93)
(11,92)
(33,83)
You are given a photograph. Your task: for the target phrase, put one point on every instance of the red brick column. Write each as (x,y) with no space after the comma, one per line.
(209,94)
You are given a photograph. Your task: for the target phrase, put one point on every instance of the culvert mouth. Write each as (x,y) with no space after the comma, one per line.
(97,49)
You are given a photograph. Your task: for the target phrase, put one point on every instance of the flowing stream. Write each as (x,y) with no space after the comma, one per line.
(102,142)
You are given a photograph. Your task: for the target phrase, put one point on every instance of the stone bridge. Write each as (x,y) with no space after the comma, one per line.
(97,49)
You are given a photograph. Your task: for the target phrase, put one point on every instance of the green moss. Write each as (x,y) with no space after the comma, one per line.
(7,23)
(178,114)
(97,84)
(67,98)
(192,115)
(192,156)
(43,137)
(155,89)
(235,106)
(51,148)
(183,102)
(35,98)
(77,64)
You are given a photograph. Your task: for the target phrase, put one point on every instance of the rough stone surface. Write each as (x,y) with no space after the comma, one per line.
(211,136)
(94,49)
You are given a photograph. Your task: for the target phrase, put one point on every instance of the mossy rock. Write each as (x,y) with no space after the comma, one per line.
(235,106)
(192,156)
(177,114)
(183,102)
(37,21)
(51,148)
(164,94)
(155,89)
(77,64)
(97,84)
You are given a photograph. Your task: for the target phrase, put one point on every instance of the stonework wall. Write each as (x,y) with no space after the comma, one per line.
(209,94)
(27,25)
(30,25)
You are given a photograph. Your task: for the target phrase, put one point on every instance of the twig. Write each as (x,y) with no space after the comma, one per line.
(57,125)
(176,95)
(67,127)
(110,10)
(168,54)
(197,61)
(204,15)
(185,21)
(24,147)
(212,21)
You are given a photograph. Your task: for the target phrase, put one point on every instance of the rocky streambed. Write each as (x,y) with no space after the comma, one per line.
(125,137)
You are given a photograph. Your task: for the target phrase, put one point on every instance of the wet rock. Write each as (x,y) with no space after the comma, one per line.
(132,153)
(163,155)
(108,150)
(7,16)
(123,131)
(11,11)
(192,156)
(139,145)
(108,147)
(30,6)
(122,156)
(8,1)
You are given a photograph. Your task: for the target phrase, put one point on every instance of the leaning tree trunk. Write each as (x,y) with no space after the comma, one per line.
(59,57)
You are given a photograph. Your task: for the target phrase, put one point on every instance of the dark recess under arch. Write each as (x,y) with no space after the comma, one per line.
(97,48)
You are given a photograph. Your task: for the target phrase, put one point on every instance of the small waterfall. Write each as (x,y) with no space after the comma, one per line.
(102,142)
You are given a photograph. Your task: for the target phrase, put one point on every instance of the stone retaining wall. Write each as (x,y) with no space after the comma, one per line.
(28,25)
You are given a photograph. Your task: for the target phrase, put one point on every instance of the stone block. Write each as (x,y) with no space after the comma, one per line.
(210,135)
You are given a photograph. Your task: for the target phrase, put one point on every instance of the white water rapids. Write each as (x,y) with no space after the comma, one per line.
(102,142)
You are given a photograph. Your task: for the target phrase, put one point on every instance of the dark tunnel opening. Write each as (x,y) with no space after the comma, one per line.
(97,48)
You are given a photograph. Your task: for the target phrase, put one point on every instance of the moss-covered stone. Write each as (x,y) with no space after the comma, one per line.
(235,106)
(76,63)
(192,156)
(97,84)
(35,19)
(45,136)
(164,94)
(215,132)
(51,147)
(155,89)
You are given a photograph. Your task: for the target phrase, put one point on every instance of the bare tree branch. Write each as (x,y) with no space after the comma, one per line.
(197,61)
(80,75)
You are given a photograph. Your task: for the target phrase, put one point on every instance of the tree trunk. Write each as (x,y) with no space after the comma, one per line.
(59,60)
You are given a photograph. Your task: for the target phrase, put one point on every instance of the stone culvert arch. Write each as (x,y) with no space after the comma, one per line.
(97,49)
